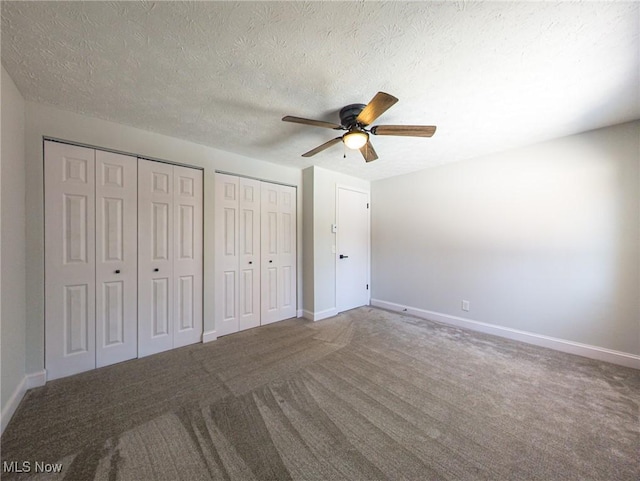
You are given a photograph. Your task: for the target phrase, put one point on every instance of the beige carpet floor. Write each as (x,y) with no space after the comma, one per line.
(367,395)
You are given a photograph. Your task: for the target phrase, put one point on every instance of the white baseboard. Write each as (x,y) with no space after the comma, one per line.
(318,316)
(299,313)
(571,347)
(28,381)
(36,379)
(209,336)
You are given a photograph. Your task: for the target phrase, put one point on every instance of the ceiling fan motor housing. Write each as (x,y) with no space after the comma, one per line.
(349,114)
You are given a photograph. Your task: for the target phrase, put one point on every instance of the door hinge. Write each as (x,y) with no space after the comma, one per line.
(367,286)
(367,205)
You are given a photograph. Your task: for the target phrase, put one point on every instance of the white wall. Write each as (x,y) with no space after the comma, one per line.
(321,261)
(44,120)
(12,247)
(543,239)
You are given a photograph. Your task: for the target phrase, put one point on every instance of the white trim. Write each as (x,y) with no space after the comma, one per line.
(299,313)
(29,381)
(209,336)
(36,379)
(318,316)
(571,347)
(13,403)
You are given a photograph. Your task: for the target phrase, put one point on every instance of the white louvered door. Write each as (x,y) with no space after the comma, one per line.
(69,209)
(116,258)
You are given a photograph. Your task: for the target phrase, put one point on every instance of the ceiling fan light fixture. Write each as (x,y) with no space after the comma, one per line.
(355,139)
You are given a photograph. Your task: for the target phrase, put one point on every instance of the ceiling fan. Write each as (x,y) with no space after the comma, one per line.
(356,118)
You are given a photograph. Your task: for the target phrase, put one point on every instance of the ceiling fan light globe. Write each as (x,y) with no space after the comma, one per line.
(355,140)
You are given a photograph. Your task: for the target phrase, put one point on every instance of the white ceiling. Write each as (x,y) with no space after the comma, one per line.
(491,76)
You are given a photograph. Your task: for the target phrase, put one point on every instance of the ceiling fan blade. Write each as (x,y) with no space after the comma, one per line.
(315,123)
(379,104)
(367,152)
(404,130)
(320,148)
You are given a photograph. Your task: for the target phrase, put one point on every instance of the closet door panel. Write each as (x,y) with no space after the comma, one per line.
(69,259)
(116,258)
(187,265)
(278,287)
(249,258)
(155,257)
(287,252)
(227,256)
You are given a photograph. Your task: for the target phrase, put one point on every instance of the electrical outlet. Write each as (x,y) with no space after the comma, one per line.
(466,305)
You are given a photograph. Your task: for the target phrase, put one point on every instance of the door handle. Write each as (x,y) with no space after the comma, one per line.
(156,270)
(270,262)
(117,271)
(250,262)
(342,256)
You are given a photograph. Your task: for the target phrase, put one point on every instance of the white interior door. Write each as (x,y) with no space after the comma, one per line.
(278,252)
(226,253)
(69,210)
(116,258)
(249,250)
(187,265)
(352,262)
(155,257)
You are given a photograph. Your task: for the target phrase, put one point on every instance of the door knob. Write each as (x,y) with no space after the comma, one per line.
(270,262)
(156,270)
(117,271)
(342,256)
(250,262)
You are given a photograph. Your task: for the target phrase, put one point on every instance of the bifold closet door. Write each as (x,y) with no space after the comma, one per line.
(187,248)
(249,258)
(69,210)
(169,256)
(116,258)
(278,252)
(155,257)
(227,242)
(237,241)
(90,258)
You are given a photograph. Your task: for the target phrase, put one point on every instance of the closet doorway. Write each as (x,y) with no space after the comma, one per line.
(255,253)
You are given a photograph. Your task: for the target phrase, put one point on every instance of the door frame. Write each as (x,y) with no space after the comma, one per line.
(337,245)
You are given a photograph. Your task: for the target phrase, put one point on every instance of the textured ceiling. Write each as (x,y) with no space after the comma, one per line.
(491,76)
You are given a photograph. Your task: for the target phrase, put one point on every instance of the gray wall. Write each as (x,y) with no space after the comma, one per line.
(44,120)
(12,240)
(543,239)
